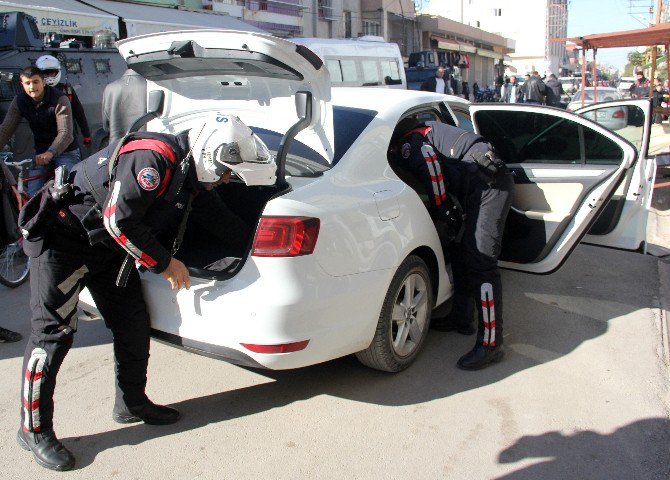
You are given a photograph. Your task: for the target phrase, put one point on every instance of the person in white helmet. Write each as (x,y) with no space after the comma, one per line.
(120,201)
(49,116)
(51,69)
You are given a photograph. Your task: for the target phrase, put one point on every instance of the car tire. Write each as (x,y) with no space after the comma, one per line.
(404,320)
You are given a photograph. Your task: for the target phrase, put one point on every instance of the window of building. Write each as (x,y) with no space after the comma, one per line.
(347,24)
(371,28)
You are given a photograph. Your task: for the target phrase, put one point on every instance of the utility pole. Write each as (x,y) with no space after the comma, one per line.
(659,7)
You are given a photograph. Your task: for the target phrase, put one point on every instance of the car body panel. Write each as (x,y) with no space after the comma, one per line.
(370,220)
(560,214)
(624,223)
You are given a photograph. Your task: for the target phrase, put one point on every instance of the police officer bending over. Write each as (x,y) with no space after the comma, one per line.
(117,205)
(470,194)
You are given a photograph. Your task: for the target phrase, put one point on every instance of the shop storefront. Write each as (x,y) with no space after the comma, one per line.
(68,18)
(144,19)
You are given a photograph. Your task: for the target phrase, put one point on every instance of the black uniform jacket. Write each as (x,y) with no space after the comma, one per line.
(437,154)
(144,197)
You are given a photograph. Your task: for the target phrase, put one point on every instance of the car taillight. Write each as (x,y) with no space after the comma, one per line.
(285,236)
(618,114)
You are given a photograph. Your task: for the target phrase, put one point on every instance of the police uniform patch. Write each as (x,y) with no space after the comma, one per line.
(149,178)
(405,150)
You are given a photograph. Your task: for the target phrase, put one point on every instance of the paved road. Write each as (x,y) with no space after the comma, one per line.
(582,394)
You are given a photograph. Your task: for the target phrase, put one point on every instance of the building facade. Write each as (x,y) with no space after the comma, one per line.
(531,23)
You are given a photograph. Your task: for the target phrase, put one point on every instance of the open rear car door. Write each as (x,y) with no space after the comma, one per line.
(623,223)
(565,167)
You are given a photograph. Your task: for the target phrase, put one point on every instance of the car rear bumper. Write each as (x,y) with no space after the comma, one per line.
(293,301)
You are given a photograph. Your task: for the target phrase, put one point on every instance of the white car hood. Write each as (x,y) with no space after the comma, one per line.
(251,75)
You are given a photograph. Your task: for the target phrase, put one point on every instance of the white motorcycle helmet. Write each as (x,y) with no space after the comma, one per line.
(226,143)
(50,67)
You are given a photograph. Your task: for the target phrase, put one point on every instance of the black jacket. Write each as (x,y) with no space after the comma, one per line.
(429,85)
(440,156)
(143,197)
(534,89)
(554,92)
(123,101)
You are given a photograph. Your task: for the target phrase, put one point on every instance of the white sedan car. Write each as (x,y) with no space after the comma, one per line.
(344,257)
(613,118)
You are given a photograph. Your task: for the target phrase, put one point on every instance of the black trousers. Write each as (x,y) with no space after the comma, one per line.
(67,265)
(474,260)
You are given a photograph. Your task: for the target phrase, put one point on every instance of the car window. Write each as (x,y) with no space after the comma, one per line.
(302,160)
(534,137)
(335,71)
(464,120)
(370,72)
(627,121)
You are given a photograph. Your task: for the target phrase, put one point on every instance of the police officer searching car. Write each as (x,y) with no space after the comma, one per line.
(470,192)
(79,233)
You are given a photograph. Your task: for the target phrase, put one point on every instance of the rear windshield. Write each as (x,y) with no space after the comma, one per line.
(303,161)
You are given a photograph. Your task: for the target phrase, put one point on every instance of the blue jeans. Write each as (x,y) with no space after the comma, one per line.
(70,159)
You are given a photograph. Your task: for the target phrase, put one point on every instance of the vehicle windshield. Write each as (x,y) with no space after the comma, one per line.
(303,161)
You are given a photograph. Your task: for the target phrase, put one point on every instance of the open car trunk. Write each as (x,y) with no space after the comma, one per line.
(221,227)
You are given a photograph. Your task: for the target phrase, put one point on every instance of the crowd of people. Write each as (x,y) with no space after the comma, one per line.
(540,91)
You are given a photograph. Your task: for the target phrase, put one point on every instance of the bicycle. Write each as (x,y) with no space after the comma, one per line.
(14,263)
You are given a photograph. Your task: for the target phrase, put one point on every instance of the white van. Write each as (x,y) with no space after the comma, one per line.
(366,61)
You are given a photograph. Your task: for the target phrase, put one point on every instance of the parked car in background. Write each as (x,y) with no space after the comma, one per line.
(614,118)
(624,85)
(344,257)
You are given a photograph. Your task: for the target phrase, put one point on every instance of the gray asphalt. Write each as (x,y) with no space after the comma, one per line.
(583,393)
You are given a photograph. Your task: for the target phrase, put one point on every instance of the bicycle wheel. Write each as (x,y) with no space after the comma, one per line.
(14,264)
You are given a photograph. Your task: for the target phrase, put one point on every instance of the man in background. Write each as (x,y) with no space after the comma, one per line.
(49,115)
(535,89)
(554,91)
(438,83)
(511,92)
(51,69)
(123,101)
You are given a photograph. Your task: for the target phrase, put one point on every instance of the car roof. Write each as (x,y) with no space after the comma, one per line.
(602,89)
(378,98)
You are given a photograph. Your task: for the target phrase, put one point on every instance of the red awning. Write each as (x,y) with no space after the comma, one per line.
(653,35)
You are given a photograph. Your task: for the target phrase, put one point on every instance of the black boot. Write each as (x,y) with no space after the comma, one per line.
(480,357)
(149,413)
(47,449)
